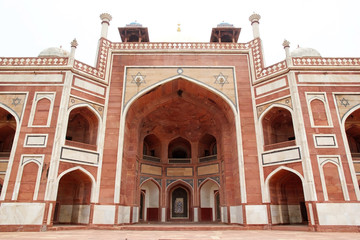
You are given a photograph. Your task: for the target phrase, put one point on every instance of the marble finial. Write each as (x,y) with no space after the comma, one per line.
(74,43)
(286,43)
(254,17)
(105,17)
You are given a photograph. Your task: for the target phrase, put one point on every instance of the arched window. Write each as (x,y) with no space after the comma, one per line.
(151,148)
(82,127)
(179,151)
(207,148)
(278,129)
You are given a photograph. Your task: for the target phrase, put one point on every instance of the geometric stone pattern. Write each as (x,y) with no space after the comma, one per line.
(135,79)
(75,101)
(285,101)
(345,102)
(14,101)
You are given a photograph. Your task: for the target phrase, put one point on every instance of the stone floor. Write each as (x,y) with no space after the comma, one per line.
(178,235)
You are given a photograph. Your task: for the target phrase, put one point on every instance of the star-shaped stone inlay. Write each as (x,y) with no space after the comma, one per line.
(16,101)
(344,102)
(138,79)
(221,79)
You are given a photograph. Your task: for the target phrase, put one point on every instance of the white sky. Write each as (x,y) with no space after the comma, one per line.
(29,26)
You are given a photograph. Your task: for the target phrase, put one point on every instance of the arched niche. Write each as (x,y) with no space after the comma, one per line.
(278,128)
(287,201)
(318,112)
(207,148)
(7,133)
(152,148)
(179,148)
(82,128)
(73,198)
(352,128)
(42,110)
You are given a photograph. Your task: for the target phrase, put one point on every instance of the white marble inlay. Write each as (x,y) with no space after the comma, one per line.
(104,214)
(256,214)
(35,140)
(89,86)
(123,214)
(271,86)
(281,156)
(236,214)
(323,78)
(322,140)
(31,77)
(338,213)
(21,213)
(79,155)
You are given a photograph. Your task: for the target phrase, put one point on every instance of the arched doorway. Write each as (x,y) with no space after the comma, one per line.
(73,199)
(209,201)
(164,130)
(180,203)
(287,202)
(149,201)
(7,134)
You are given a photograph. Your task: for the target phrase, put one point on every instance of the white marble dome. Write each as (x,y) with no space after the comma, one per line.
(305,52)
(54,52)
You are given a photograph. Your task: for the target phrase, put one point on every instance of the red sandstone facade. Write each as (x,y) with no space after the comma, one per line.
(180,132)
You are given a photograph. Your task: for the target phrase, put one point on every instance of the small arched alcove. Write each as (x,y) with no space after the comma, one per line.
(73,198)
(152,148)
(82,128)
(278,129)
(207,148)
(287,201)
(179,151)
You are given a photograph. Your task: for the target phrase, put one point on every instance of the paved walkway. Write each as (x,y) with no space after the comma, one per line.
(178,235)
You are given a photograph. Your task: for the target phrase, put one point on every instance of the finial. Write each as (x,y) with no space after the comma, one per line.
(74,43)
(178,28)
(105,17)
(254,17)
(286,43)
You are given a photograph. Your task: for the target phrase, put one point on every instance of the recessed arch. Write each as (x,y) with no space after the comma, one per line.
(93,181)
(266,183)
(277,127)
(75,192)
(286,197)
(83,125)
(197,82)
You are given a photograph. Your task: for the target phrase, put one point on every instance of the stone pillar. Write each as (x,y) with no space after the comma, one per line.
(74,44)
(254,19)
(286,45)
(105,18)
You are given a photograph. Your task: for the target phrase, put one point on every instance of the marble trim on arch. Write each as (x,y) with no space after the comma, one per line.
(284,101)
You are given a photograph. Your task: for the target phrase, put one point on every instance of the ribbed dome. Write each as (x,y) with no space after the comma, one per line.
(305,52)
(54,52)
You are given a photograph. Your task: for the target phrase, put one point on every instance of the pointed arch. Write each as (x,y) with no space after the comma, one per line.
(267,181)
(277,127)
(11,153)
(90,124)
(195,81)
(83,170)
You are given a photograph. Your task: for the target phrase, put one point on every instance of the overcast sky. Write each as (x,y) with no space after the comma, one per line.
(28,26)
